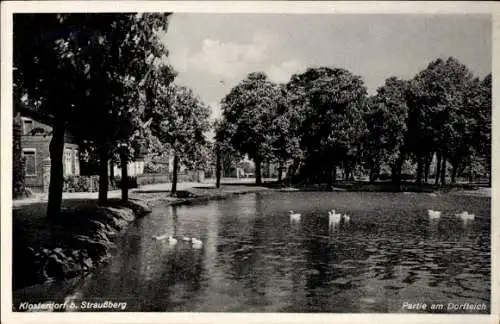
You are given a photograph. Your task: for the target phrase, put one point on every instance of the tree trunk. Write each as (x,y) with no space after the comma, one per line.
(280,168)
(103,174)
(427,168)
(438,167)
(258,175)
(443,169)
(111,172)
(56,149)
(470,170)
(396,171)
(174,173)
(420,167)
(329,176)
(124,167)
(218,168)
(454,173)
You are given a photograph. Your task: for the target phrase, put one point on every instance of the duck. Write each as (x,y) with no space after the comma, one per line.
(333,217)
(294,216)
(347,219)
(465,216)
(160,237)
(186,239)
(196,244)
(434,214)
(172,241)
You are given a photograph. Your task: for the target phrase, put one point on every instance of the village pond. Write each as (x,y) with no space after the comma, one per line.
(254,259)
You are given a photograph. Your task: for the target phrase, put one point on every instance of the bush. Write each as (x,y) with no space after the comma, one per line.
(155,168)
(85,184)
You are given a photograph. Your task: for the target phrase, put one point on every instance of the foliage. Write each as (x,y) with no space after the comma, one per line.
(332,102)
(386,121)
(180,121)
(250,108)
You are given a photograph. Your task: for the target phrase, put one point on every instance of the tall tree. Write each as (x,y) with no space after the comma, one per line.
(333,101)
(180,120)
(386,121)
(251,107)
(51,78)
(75,66)
(437,100)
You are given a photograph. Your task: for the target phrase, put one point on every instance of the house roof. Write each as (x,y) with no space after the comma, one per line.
(34,113)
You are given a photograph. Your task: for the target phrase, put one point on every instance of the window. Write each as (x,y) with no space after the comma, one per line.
(68,162)
(29,155)
(27,126)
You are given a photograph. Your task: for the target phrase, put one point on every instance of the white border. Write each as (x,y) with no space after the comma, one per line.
(302,7)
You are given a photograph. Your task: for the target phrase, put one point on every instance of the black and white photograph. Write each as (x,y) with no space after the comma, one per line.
(187,161)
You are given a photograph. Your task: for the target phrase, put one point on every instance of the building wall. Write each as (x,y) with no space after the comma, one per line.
(40,145)
(134,169)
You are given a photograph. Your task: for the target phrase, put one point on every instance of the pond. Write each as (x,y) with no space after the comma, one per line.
(254,259)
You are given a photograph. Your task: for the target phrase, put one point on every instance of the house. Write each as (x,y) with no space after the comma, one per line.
(36,134)
(134,168)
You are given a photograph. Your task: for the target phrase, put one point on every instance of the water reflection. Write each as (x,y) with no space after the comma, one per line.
(254,259)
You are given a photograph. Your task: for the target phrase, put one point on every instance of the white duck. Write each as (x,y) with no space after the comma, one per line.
(333,217)
(347,219)
(434,214)
(160,237)
(294,217)
(196,244)
(465,216)
(172,241)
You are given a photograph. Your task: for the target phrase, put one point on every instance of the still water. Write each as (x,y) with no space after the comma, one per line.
(255,260)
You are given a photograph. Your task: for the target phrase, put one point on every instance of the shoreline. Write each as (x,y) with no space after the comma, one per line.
(89,235)
(81,241)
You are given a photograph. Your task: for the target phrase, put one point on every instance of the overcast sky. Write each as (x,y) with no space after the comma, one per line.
(213,52)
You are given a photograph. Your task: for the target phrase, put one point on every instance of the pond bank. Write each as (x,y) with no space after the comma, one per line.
(83,237)
(362,186)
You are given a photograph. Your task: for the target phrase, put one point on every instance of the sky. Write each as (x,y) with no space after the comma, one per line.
(214,52)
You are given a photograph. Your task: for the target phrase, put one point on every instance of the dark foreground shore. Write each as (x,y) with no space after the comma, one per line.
(81,239)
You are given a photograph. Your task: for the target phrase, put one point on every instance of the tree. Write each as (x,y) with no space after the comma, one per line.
(285,130)
(333,102)
(125,54)
(478,122)
(180,120)
(437,101)
(50,79)
(386,120)
(75,67)
(250,107)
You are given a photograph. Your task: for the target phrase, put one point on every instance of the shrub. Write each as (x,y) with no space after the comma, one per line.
(84,184)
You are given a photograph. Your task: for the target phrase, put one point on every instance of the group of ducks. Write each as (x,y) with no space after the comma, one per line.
(333,217)
(195,243)
(464,216)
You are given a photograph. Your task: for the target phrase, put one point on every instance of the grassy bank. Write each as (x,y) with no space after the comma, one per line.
(81,238)
(374,187)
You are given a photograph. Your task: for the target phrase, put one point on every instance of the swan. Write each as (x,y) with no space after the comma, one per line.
(333,217)
(465,216)
(161,237)
(433,214)
(186,239)
(294,216)
(172,241)
(347,219)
